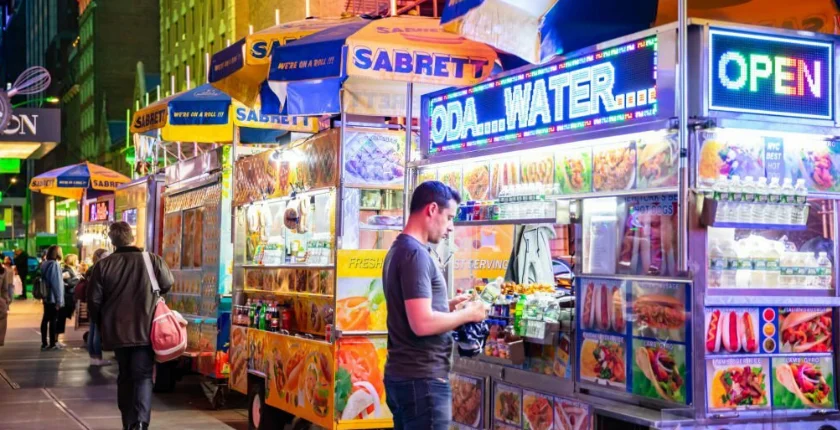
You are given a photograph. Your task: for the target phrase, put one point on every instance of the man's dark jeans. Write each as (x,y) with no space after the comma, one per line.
(420,404)
(48,324)
(134,384)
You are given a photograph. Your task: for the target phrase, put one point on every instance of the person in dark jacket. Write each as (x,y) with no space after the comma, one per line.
(22,265)
(121,303)
(54,300)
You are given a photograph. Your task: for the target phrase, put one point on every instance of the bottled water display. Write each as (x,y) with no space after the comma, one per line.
(755,201)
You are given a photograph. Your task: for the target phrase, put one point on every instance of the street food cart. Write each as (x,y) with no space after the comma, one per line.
(704,295)
(140,204)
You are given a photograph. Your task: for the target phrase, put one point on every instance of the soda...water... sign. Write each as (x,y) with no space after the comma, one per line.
(610,86)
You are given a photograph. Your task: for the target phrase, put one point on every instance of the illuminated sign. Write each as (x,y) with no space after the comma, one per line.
(419,63)
(601,88)
(99,211)
(771,75)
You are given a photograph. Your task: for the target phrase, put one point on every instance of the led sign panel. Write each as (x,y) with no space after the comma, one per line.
(605,87)
(771,75)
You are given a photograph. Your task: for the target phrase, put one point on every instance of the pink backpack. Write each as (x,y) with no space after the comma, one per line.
(169,328)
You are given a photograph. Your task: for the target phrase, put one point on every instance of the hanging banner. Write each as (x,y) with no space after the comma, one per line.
(253,118)
(767,75)
(615,85)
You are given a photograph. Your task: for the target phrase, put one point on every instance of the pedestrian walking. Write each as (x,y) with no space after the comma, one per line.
(420,315)
(121,303)
(71,276)
(94,337)
(54,297)
(9,279)
(22,265)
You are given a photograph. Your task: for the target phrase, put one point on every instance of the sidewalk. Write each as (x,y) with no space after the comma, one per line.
(58,390)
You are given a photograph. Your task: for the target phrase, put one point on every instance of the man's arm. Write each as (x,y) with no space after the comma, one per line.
(426,322)
(416,283)
(165,278)
(94,295)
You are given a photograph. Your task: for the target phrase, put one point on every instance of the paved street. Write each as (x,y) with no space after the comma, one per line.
(57,390)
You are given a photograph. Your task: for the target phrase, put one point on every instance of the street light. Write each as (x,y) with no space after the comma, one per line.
(50,100)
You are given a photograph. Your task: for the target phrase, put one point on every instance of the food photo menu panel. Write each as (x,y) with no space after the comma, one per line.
(761,358)
(635,337)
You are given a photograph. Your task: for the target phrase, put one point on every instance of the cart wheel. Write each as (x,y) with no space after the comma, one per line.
(165,377)
(260,415)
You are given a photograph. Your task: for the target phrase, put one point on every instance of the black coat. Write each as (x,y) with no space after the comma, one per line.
(120,298)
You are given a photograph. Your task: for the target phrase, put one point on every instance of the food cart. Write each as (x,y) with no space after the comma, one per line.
(308,335)
(589,140)
(190,220)
(140,204)
(97,215)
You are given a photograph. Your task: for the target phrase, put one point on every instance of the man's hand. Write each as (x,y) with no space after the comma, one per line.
(476,311)
(457,300)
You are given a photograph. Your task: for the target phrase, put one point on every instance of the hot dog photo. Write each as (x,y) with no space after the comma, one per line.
(604,306)
(732,330)
(659,310)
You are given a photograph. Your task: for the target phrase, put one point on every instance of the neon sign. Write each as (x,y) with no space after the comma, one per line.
(771,75)
(597,89)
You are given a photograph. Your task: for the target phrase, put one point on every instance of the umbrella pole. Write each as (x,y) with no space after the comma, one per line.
(682,98)
(409,95)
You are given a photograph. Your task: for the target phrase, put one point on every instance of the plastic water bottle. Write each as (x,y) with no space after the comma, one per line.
(824,271)
(721,194)
(717,265)
(745,251)
(729,275)
(760,212)
(772,271)
(774,201)
(812,270)
(788,201)
(800,193)
(736,196)
(747,200)
(503,202)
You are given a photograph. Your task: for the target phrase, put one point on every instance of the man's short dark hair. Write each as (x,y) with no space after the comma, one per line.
(433,192)
(120,234)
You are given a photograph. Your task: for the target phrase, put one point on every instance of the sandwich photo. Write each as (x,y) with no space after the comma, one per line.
(317,383)
(587,310)
(731,331)
(659,312)
(292,373)
(804,384)
(570,416)
(738,387)
(713,332)
(806,331)
(617,309)
(604,308)
(657,164)
(603,362)
(658,365)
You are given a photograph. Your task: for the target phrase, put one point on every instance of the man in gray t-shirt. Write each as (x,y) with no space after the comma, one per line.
(420,315)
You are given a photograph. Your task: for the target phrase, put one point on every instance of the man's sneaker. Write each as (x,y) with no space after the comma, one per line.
(97,362)
(60,345)
(44,347)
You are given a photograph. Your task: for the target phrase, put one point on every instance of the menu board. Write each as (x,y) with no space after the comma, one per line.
(359,384)
(374,158)
(649,162)
(299,378)
(783,356)
(635,337)
(467,402)
(769,155)
(518,408)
